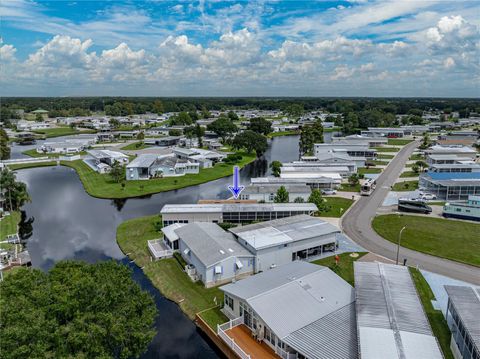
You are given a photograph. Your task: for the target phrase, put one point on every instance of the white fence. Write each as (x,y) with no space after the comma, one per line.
(156,247)
(230,341)
(70,158)
(283,354)
(26,160)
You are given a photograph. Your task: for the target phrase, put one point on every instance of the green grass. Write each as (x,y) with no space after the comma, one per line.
(455,240)
(379,163)
(213,317)
(409,174)
(135,146)
(405,186)
(9,224)
(21,166)
(435,317)
(167,275)
(61,131)
(347,187)
(344,268)
(364,170)
(398,141)
(437,203)
(417,157)
(337,206)
(382,156)
(386,149)
(283,133)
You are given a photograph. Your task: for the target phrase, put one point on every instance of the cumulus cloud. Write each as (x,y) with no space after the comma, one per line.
(7,53)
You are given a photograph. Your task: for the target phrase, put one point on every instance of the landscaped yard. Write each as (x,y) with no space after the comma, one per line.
(386,149)
(455,240)
(409,174)
(405,186)
(336,206)
(61,131)
(344,268)
(9,224)
(167,274)
(364,170)
(382,156)
(347,187)
(417,157)
(398,141)
(140,145)
(435,317)
(379,163)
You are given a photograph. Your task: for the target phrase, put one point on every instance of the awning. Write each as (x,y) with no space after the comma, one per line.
(218,269)
(239,264)
(186,251)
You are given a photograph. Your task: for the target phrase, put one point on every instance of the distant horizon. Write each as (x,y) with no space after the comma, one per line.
(249,97)
(348,48)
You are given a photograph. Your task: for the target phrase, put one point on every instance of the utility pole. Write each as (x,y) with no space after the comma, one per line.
(398,244)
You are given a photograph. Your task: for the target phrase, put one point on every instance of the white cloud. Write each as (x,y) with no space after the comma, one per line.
(448,63)
(7,53)
(342,72)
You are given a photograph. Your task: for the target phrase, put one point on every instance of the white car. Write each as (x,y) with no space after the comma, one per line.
(428,196)
(329,191)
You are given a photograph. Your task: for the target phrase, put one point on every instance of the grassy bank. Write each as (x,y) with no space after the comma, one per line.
(398,141)
(386,149)
(21,166)
(344,268)
(405,186)
(9,224)
(283,133)
(454,240)
(409,174)
(167,275)
(435,317)
(61,131)
(364,170)
(336,206)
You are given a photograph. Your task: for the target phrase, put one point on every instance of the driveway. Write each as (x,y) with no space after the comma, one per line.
(357,225)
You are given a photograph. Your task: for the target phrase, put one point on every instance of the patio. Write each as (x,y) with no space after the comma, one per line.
(243,338)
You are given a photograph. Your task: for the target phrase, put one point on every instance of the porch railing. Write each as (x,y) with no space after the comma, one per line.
(284,354)
(221,331)
(156,253)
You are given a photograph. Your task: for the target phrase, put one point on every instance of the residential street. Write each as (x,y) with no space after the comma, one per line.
(357,225)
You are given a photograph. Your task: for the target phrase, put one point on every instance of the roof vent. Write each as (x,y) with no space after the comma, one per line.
(221,251)
(230,250)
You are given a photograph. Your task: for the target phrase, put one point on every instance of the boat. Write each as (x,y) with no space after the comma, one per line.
(414,205)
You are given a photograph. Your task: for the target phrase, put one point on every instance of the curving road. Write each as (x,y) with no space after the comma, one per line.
(357,225)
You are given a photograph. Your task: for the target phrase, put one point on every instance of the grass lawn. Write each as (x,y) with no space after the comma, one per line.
(337,206)
(417,157)
(405,186)
(21,166)
(386,149)
(347,187)
(379,163)
(409,174)
(455,240)
(9,224)
(398,141)
(102,186)
(135,146)
(364,170)
(167,274)
(283,133)
(435,317)
(344,268)
(382,156)
(61,131)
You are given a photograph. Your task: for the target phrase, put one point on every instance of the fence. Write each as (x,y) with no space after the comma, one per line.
(26,160)
(228,340)
(283,354)
(158,249)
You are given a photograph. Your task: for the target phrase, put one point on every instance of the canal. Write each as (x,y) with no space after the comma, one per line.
(70,224)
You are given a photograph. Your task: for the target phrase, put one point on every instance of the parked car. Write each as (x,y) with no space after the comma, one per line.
(428,196)
(328,191)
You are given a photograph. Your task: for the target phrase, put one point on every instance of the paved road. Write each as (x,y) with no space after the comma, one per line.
(357,225)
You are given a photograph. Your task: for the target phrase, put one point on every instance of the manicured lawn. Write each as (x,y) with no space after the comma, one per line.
(283,133)
(455,240)
(102,185)
(409,174)
(435,317)
(398,141)
(167,274)
(336,206)
(213,317)
(382,156)
(386,149)
(364,170)
(33,153)
(61,131)
(405,186)
(380,163)
(344,268)
(8,224)
(21,166)
(347,187)
(417,157)
(135,146)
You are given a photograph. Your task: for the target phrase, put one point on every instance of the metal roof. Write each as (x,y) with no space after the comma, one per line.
(210,243)
(238,207)
(331,337)
(295,188)
(106,154)
(169,231)
(466,301)
(319,168)
(390,318)
(312,175)
(285,230)
(144,160)
(293,302)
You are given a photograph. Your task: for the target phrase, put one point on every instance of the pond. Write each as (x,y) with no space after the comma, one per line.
(69,224)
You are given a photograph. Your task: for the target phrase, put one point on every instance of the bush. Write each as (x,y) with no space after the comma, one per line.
(233,158)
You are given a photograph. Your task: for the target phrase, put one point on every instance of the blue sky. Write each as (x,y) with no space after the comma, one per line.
(232,48)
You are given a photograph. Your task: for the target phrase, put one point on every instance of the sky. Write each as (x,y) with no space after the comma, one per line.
(396,48)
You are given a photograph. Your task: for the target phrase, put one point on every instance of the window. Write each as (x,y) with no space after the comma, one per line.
(229,302)
(218,270)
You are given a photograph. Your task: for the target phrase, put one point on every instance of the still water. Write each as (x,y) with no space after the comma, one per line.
(69,224)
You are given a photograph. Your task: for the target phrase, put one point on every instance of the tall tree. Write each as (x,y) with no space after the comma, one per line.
(76,310)
(317,199)
(183,118)
(199,132)
(14,192)
(251,141)
(158,107)
(232,116)
(282,195)
(276,168)
(117,172)
(260,125)
(4,147)
(310,135)
(223,127)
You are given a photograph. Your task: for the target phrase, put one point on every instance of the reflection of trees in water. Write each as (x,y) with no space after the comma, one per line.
(119,203)
(257,168)
(25,227)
